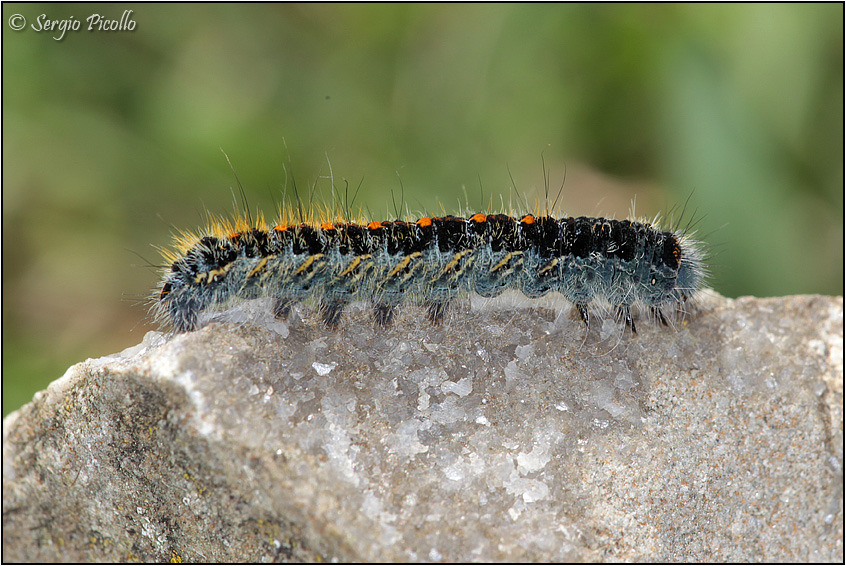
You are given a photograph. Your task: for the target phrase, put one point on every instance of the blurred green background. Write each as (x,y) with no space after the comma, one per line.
(110,139)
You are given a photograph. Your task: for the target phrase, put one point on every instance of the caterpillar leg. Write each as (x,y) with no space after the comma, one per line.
(626,314)
(583,314)
(659,314)
(331,313)
(384,314)
(282,307)
(436,310)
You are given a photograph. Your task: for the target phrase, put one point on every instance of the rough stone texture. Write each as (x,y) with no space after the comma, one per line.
(502,435)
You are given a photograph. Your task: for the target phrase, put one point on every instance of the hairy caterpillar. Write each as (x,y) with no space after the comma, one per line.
(623,263)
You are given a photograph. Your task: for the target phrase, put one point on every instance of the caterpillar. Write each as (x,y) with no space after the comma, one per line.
(623,263)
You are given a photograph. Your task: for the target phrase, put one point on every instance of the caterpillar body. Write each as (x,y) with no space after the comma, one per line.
(621,263)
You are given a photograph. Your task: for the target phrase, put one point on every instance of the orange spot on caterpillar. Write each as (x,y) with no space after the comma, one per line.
(424,222)
(479,218)
(528,219)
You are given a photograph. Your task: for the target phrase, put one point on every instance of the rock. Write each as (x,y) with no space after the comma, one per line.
(502,435)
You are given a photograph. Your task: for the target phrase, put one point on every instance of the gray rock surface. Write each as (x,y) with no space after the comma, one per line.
(503,435)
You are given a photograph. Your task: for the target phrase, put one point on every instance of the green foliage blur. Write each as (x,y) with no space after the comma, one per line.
(112,139)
